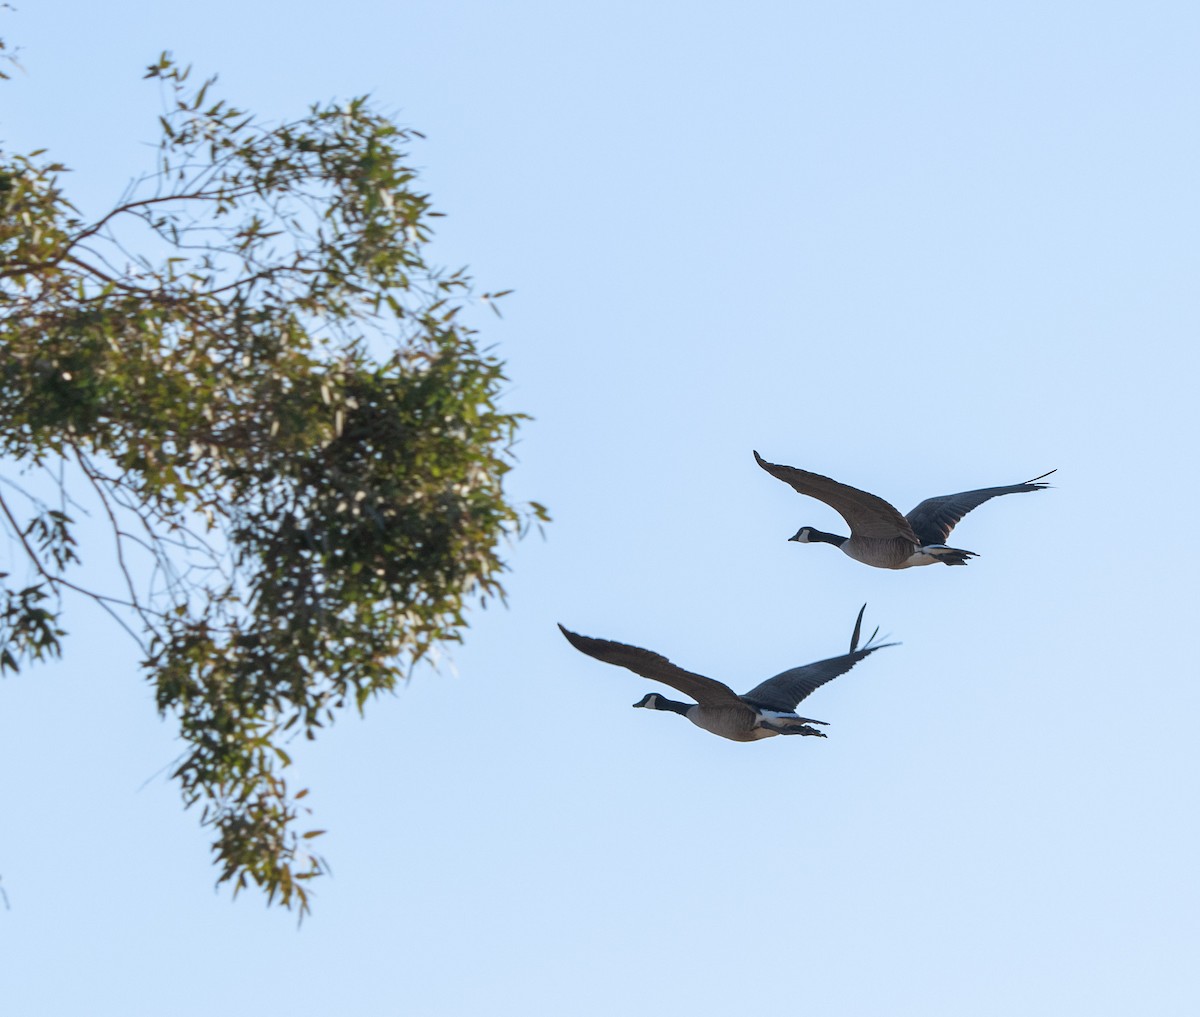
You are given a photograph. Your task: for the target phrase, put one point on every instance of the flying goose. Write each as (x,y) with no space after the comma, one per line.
(879,534)
(766,710)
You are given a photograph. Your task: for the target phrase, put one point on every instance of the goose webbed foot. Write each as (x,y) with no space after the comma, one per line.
(947,555)
(797,729)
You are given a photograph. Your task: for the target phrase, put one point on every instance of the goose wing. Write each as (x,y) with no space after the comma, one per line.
(866,514)
(934,518)
(788,689)
(706,691)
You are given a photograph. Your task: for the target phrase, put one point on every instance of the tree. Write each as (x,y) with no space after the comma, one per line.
(251,370)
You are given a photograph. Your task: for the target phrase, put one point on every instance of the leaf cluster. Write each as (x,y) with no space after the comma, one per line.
(250,367)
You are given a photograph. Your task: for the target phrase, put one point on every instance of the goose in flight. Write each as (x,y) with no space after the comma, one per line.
(766,710)
(879,534)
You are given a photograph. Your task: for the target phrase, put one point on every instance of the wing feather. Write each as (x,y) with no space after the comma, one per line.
(866,514)
(934,518)
(788,689)
(706,691)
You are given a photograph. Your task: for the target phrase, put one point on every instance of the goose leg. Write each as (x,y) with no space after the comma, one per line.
(793,729)
(946,555)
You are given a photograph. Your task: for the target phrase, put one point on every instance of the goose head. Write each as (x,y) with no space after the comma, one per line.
(650,702)
(811,535)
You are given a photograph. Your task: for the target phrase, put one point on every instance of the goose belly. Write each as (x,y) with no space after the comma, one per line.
(736,725)
(885,552)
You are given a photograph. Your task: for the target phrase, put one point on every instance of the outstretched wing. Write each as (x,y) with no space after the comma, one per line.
(934,518)
(787,690)
(866,514)
(706,691)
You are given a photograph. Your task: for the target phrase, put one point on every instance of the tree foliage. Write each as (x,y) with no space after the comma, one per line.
(251,374)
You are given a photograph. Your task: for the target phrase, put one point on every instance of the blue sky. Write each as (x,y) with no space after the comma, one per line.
(921,248)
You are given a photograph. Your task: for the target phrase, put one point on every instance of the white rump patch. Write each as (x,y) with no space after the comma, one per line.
(775,717)
(921,557)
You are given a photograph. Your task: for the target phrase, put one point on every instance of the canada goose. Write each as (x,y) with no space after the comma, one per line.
(879,534)
(766,710)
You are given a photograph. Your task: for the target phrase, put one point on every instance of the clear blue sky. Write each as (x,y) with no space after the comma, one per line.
(921,247)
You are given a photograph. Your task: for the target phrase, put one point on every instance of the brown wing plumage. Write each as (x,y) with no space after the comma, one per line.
(787,690)
(866,514)
(934,518)
(706,691)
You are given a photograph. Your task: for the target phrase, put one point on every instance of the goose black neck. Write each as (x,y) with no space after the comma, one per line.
(821,537)
(674,707)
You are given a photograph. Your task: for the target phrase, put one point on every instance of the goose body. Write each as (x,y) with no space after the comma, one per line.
(879,534)
(767,710)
